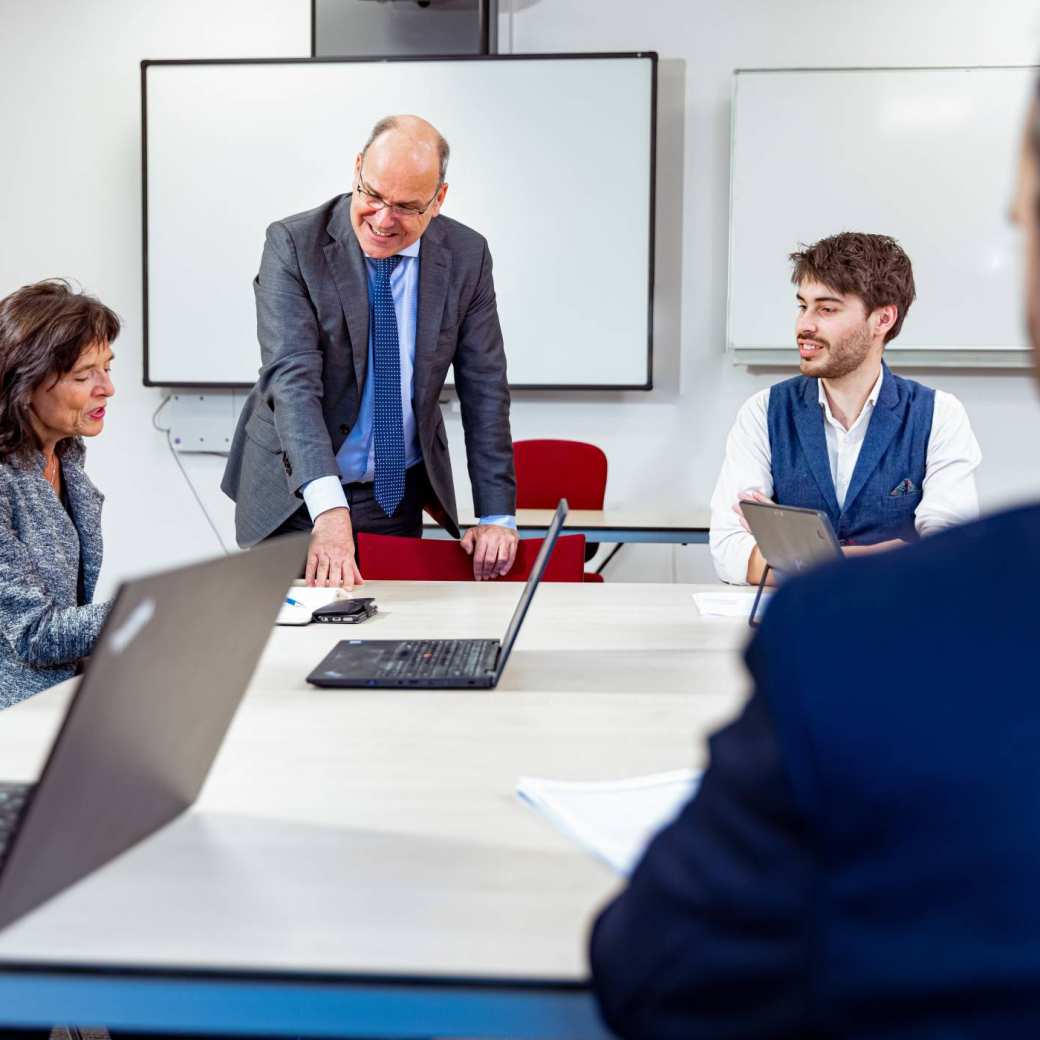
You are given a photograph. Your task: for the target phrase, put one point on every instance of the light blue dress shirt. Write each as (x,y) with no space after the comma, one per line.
(356,458)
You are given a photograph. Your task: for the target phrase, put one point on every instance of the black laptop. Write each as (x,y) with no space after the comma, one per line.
(434,663)
(149,715)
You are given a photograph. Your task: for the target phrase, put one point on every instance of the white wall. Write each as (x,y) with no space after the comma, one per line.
(70,204)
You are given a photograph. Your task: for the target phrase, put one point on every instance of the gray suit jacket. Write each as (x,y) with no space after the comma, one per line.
(312,323)
(45,630)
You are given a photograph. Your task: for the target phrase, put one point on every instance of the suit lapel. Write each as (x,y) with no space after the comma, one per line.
(434,272)
(347,264)
(808,421)
(85,506)
(886,420)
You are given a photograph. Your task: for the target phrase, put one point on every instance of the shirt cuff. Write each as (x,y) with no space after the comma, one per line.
(502,521)
(731,555)
(323,494)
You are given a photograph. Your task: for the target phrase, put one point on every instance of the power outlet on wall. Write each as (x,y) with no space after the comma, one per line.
(202,422)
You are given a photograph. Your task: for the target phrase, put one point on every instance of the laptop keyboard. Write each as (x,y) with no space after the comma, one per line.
(440,659)
(13,799)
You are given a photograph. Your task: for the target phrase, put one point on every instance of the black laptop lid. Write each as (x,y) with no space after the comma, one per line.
(149,716)
(540,563)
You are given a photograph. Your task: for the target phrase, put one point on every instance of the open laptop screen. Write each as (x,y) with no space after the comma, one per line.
(149,715)
(533,579)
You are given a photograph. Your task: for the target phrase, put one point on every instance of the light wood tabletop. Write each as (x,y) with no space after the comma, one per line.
(369,837)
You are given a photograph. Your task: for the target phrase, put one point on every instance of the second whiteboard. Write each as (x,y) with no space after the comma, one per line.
(927,156)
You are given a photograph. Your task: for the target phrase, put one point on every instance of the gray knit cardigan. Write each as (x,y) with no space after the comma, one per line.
(45,630)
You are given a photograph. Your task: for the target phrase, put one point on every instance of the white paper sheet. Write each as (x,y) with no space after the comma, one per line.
(613,819)
(730,604)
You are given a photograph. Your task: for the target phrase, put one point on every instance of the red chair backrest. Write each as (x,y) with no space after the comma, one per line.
(548,470)
(390,557)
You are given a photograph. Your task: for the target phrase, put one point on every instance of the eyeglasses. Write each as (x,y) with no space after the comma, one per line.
(378,202)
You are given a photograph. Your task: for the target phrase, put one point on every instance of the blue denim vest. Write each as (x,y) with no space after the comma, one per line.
(886,484)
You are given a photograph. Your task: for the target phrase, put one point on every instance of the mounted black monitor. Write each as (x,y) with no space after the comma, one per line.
(374,28)
(552,160)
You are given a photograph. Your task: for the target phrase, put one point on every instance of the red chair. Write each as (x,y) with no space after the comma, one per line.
(548,470)
(391,557)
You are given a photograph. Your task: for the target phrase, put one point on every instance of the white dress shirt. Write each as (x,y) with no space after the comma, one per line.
(948,494)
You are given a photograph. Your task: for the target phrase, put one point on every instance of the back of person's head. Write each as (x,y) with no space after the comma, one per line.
(872,267)
(44,328)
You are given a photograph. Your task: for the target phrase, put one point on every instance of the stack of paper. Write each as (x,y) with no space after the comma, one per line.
(307,601)
(613,819)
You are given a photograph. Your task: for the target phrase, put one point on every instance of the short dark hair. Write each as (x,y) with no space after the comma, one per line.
(873,267)
(388,123)
(44,328)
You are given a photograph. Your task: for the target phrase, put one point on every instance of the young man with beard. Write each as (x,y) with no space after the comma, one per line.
(886,458)
(860,858)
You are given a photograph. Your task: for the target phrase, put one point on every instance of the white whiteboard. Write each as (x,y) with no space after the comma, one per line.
(551,160)
(927,156)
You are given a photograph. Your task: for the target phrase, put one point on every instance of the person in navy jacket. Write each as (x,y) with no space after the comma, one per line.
(861,858)
(886,458)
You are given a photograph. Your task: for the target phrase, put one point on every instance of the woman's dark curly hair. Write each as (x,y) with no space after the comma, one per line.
(43,330)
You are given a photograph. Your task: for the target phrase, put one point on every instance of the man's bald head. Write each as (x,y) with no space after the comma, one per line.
(414,136)
(399,184)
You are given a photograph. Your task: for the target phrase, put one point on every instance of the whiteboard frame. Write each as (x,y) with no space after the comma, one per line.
(925,358)
(647,384)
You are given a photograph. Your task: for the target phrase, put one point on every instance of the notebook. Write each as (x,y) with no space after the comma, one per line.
(613,819)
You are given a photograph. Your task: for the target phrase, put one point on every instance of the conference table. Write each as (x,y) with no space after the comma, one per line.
(358,863)
(681,527)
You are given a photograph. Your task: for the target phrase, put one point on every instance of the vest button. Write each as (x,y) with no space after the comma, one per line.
(344,429)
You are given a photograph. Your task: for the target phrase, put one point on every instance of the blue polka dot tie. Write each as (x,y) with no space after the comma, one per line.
(388,429)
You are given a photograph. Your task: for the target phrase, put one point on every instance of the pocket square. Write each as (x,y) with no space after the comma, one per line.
(904,487)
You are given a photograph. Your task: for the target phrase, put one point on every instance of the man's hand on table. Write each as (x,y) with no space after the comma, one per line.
(493,548)
(330,555)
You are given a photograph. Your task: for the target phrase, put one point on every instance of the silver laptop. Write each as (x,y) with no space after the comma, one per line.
(144,725)
(434,663)
(790,538)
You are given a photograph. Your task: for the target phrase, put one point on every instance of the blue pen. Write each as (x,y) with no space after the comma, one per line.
(294,602)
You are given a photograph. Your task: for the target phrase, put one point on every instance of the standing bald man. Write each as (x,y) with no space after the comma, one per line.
(362,304)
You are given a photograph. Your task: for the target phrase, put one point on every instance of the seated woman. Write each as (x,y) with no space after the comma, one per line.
(55,352)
